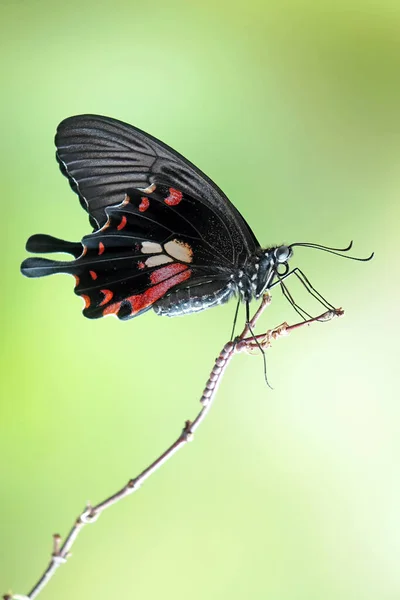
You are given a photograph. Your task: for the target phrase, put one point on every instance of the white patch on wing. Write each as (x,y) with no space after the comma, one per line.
(149,190)
(151,248)
(179,250)
(159,259)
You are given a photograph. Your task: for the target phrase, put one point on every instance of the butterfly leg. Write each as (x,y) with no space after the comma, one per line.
(308,286)
(248,325)
(311,289)
(294,304)
(235,319)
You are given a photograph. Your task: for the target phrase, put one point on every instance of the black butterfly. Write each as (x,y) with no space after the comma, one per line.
(165,236)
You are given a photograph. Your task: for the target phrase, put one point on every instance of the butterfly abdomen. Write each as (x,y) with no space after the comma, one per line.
(194,298)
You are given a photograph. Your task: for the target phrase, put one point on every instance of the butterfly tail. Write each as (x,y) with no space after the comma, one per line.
(44,244)
(40,267)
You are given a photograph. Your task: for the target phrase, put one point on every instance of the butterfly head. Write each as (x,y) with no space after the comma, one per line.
(270,262)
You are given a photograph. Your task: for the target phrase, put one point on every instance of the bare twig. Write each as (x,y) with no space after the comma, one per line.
(61,552)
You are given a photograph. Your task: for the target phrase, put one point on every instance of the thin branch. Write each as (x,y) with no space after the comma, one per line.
(243,343)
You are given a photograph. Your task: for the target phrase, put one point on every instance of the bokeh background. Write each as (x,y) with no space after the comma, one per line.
(293,109)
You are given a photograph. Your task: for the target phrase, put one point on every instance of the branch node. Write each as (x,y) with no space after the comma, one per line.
(187,433)
(58,559)
(205,400)
(274,334)
(88,516)
(133,484)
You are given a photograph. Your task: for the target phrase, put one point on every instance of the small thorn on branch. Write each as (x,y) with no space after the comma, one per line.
(187,433)
(133,484)
(57,556)
(56,544)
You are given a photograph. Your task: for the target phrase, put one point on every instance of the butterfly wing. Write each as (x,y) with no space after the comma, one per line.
(146,255)
(103,158)
(166,236)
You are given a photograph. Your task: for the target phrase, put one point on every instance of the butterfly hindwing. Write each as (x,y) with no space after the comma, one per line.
(144,253)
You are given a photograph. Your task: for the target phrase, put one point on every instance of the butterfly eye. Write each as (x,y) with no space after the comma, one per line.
(282,254)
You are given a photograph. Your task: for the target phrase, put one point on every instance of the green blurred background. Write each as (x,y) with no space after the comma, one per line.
(293,109)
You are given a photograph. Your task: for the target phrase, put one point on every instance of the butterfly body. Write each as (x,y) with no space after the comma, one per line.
(165,236)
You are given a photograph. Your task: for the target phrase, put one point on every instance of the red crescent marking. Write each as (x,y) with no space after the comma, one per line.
(101,248)
(77,280)
(165,272)
(108,295)
(93,275)
(122,224)
(87,300)
(83,251)
(141,265)
(175,196)
(144,205)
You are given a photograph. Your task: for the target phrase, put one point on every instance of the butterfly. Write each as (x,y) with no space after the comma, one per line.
(165,236)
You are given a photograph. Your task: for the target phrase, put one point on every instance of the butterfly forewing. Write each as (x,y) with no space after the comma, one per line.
(104,158)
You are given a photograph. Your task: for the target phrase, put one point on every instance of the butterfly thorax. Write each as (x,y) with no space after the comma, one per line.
(257,276)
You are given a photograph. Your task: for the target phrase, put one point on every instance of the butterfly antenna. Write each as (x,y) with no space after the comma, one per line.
(258,344)
(337,251)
